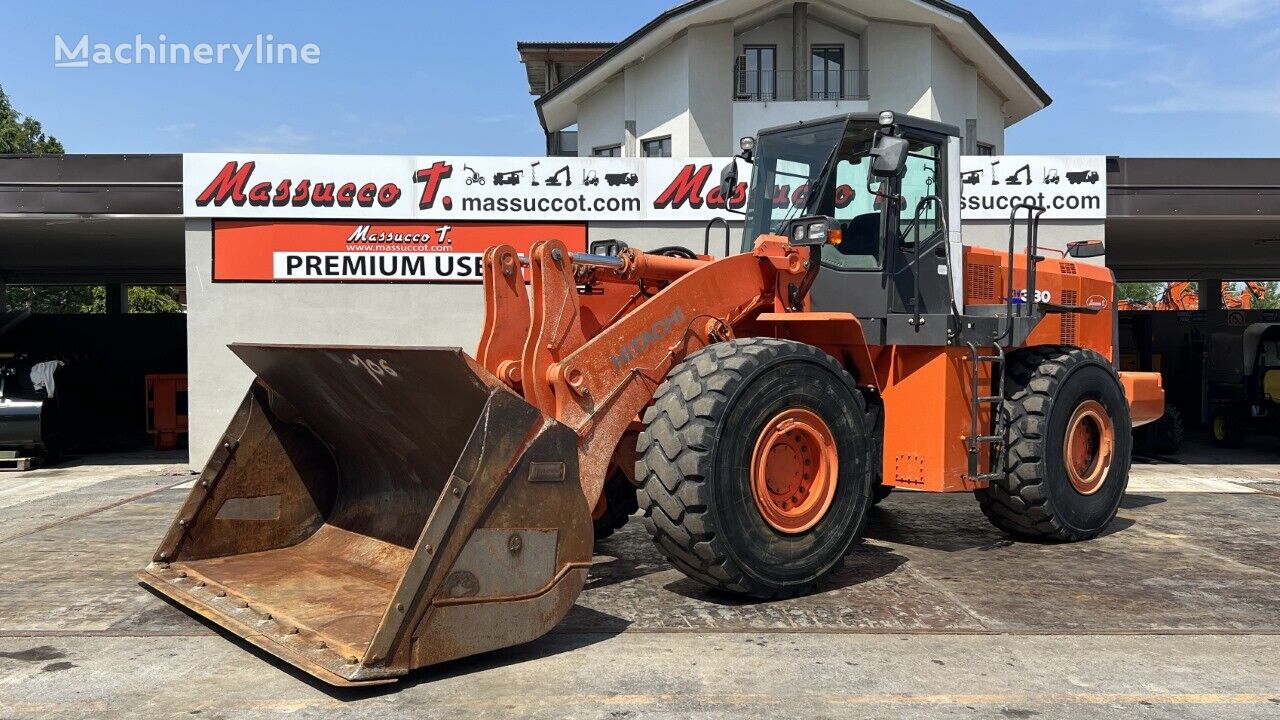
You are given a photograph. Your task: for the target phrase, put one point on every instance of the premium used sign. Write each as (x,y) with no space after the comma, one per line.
(356,251)
(455,188)
(1068,187)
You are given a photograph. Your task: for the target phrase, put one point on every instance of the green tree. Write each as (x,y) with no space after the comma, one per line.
(50,299)
(143,299)
(1272,299)
(1141,293)
(19,134)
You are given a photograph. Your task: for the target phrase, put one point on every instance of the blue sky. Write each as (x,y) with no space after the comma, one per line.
(1128,77)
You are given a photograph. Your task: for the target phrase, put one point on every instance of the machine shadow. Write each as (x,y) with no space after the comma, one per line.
(864,563)
(601,627)
(1133,502)
(929,523)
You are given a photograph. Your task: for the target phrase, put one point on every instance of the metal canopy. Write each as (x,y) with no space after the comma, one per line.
(91,219)
(1189,218)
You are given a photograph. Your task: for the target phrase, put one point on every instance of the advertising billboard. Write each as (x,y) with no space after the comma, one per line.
(357,251)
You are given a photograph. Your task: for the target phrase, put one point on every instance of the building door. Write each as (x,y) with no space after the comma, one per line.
(760,74)
(827,63)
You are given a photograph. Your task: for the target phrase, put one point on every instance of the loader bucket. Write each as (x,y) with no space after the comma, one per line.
(374,510)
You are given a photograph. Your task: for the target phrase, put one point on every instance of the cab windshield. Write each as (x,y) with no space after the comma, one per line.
(817,170)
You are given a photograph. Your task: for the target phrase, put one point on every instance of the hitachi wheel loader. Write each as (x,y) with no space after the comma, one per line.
(371,510)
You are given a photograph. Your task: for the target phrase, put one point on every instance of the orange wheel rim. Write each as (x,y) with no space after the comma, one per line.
(794,468)
(1090,446)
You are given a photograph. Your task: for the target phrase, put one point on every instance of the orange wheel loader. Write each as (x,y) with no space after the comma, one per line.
(371,510)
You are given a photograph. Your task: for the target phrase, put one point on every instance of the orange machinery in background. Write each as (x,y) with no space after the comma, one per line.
(166,408)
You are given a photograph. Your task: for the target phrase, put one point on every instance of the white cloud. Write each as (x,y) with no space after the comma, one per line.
(280,138)
(1223,13)
(1186,88)
(1092,42)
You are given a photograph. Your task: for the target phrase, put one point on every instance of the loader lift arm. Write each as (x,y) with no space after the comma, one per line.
(596,377)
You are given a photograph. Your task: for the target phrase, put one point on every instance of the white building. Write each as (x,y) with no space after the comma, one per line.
(703,74)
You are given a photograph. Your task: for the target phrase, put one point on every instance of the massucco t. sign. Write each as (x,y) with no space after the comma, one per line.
(1068,187)
(586,189)
(548,189)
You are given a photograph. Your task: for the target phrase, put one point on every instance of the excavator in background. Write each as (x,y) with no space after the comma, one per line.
(371,510)
(1185,296)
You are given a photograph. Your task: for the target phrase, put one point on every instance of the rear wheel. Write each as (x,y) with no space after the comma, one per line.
(1227,428)
(1067,463)
(755,466)
(1168,431)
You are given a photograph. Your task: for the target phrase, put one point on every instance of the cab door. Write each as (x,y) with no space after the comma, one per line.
(917,246)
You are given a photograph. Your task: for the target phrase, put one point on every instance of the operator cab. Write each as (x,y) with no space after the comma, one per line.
(892,221)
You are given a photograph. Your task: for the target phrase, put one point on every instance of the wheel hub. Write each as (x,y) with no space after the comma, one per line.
(1089,448)
(794,468)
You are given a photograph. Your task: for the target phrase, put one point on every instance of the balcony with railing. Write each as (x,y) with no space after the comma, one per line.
(781,85)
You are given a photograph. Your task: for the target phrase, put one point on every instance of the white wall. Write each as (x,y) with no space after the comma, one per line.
(711,129)
(661,85)
(990,117)
(899,58)
(751,117)
(327,314)
(954,87)
(600,118)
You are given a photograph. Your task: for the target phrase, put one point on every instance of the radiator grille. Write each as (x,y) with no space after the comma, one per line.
(1070,297)
(980,284)
(1068,268)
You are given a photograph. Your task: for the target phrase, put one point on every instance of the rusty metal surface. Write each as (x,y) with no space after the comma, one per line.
(355,489)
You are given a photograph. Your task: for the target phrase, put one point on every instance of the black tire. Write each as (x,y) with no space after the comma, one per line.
(695,458)
(1169,431)
(1162,437)
(875,420)
(620,503)
(1227,428)
(1036,499)
(880,492)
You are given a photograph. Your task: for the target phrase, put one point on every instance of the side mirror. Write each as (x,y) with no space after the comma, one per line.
(814,231)
(889,156)
(1086,249)
(729,181)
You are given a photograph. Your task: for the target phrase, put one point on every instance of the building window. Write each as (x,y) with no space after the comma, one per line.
(757,73)
(985,149)
(828,72)
(607,151)
(656,147)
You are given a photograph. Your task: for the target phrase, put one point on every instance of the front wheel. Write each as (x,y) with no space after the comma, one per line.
(1069,447)
(755,466)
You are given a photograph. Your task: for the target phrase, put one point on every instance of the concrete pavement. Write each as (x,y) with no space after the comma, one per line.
(1174,613)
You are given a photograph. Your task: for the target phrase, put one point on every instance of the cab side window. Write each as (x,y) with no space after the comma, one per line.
(922,179)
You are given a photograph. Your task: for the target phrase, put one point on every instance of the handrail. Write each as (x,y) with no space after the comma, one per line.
(1033,238)
(728,236)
